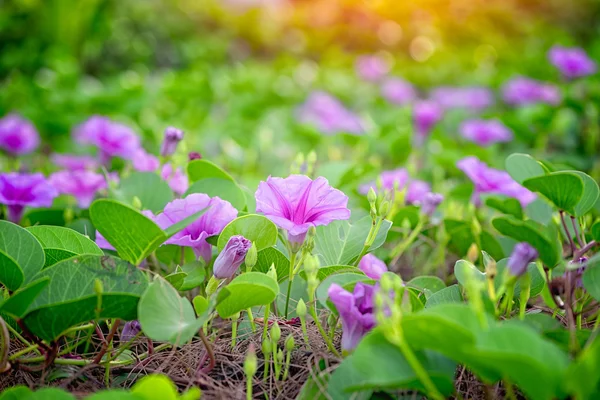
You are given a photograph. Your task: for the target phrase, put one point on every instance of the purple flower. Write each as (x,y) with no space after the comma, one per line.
(470,98)
(523,91)
(485,132)
(425,115)
(329,115)
(297,202)
(231,257)
(194,155)
(371,68)
(490,180)
(130,330)
(113,139)
(172,138)
(356,311)
(389,179)
(398,91)
(430,203)
(521,256)
(177,179)
(83,185)
(211,223)
(144,162)
(20,190)
(372,266)
(74,162)
(572,62)
(416,191)
(18,136)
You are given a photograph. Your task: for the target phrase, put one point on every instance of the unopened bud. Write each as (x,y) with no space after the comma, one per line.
(490,265)
(280,355)
(250,363)
(275,332)
(251,257)
(171,139)
(212,285)
(301,308)
(372,196)
(98,287)
(136,203)
(266,348)
(384,208)
(194,155)
(290,343)
(272,272)
(473,253)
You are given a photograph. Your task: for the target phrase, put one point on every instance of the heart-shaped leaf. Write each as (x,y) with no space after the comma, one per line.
(225,189)
(150,189)
(247,290)
(60,243)
(563,189)
(522,167)
(256,228)
(133,234)
(70,298)
(465,271)
(272,256)
(21,255)
(203,169)
(450,294)
(508,206)
(17,304)
(431,283)
(589,196)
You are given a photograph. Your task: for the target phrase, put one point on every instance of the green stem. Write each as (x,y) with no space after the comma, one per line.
(251,319)
(304,331)
(397,252)
(266,321)
(266,367)
(23,352)
(509,301)
(22,339)
(313,313)
(370,239)
(286,369)
(290,280)
(248,388)
(234,324)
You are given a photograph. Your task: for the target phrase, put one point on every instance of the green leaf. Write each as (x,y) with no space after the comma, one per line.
(508,206)
(324,272)
(71,299)
(269,256)
(166,316)
(247,290)
(203,169)
(340,242)
(15,393)
(200,304)
(256,228)
(114,394)
(590,194)
(582,377)
(533,233)
(451,294)
(464,271)
(460,234)
(176,279)
(431,283)
(18,247)
(491,244)
(153,192)
(49,394)
(522,167)
(595,231)
(540,211)
(563,189)
(225,189)
(45,216)
(133,234)
(60,243)
(17,304)
(591,281)
(195,274)
(155,386)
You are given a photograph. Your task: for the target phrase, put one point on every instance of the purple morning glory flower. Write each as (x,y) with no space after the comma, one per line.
(297,202)
(371,68)
(372,266)
(111,138)
(425,115)
(18,136)
(177,179)
(490,180)
(130,330)
(356,310)
(144,162)
(389,179)
(172,138)
(416,191)
(398,91)
(523,91)
(231,257)
(470,98)
(485,132)
(211,223)
(81,184)
(329,115)
(572,62)
(20,190)
(194,155)
(74,162)
(521,256)
(430,203)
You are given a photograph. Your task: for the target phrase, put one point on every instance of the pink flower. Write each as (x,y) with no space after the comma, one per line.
(416,191)
(19,190)
(172,138)
(426,114)
(111,138)
(469,98)
(371,68)
(329,115)
(74,162)
(372,266)
(389,179)
(485,133)
(231,257)
(144,162)
(398,91)
(212,222)
(297,202)
(572,62)
(177,180)
(18,136)
(81,184)
(523,91)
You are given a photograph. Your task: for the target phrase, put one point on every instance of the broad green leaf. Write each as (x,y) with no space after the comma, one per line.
(225,189)
(256,228)
(340,242)
(595,231)
(200,304)
(203,169)
(460,234)
(45,216)
(508,206)
(582,377)
(247,290)
(450,294)
(431,283)
(17,304)
(522,167)
(535,234)
(195,274)
(590,194)
(166,316)
(83,226)
(563,189)
(155,386)
(272,256)
(49,394)
(176,279)
(15,393)
(21,248)
(491,244)
(540,211)
(60,243)
(464,271)
(153,192)
(71,299)
(591,281)
(133,234)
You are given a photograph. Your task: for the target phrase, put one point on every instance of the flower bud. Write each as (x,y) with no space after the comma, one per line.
(301,308)
(473,253)
(98,287)
(371,196)
(130,330)
(171,139)
(430,203)
(275,332)
(136,203)
(311,265)
(194,155)
(290,343)
(384,208)
(521,256)
(251,257)
(372,266)
(212,285)
(231,257)
(280,355)
(250,363)
(272,272)
(266,348)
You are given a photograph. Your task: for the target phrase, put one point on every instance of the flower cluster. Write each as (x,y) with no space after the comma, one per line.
(329,115)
